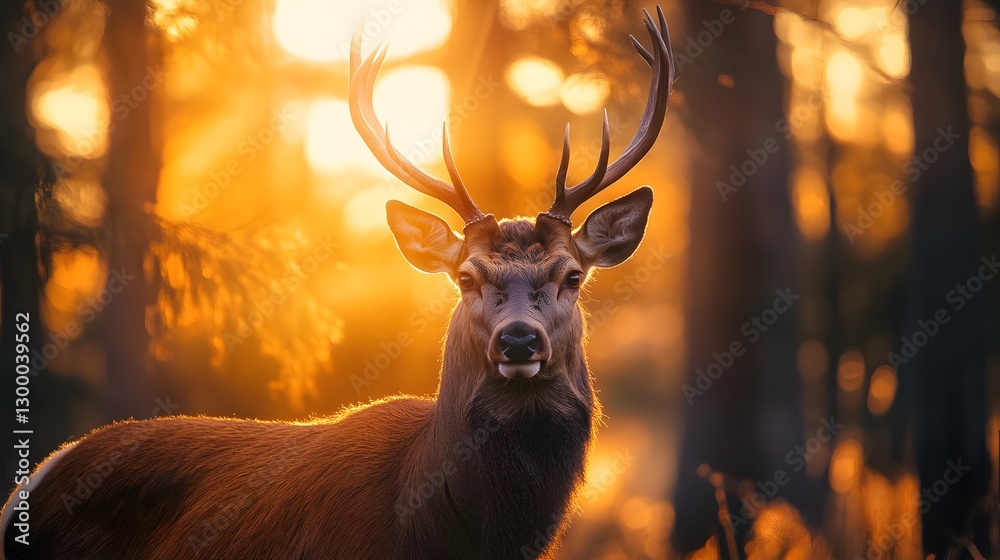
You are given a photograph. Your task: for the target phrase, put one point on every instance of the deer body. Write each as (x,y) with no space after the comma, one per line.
(485,470)
(251,490)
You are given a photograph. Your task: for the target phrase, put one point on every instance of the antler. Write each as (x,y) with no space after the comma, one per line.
(363,75)
(662,62)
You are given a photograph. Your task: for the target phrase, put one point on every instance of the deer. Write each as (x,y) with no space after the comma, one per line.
(488,468)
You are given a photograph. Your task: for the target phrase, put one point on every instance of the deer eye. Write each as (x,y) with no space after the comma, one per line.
(466,282)
(573,279)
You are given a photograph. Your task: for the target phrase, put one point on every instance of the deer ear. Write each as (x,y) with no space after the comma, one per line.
(612,233)
(425,240)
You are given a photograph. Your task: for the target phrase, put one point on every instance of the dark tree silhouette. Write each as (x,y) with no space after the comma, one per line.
(130,180)
(945,378)
(740,254)
(24,178)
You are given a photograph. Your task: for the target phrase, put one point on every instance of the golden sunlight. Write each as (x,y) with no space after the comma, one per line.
(985,157)
(897,128)
(321,31)
(83,201)
(329,148)
(75,277)
(843,80)
(585,93)
(518,14)
(165,14)
(778,532)
(525,154)
(414,101)
(536,80)
(76,107)
(882,390)
(851,371)
(894,56)
(812,203)
(843,75)
(846,466)
(852,22)
(332,144)
(365,211)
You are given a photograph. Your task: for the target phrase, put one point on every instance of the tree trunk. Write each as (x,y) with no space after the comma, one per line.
(22,174)
(949,418)
(742,241)
(130,180)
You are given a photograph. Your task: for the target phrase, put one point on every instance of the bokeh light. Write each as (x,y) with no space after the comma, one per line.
(413,100)
(812,203)
(536,80)
(881,390)
(75,106)
(585,93)
(321,31)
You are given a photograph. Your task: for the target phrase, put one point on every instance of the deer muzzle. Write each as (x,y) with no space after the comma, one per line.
(519,348)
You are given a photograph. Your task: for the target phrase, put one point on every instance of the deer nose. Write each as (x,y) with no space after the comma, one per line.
(519,342)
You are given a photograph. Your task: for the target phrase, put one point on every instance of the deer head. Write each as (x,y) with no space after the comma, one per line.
(519,321)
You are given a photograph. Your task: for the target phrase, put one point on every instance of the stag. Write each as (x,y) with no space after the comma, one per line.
(486,469)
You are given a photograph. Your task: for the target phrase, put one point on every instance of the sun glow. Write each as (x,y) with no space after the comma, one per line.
(75,107)
(321,31)
(894,56)
(585,93)
(812,203)
(538,81)
(333,145)
(843,80)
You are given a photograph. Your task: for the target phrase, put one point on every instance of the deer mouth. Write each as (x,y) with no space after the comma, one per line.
(519,370)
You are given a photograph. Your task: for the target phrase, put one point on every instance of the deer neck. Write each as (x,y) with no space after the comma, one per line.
(505,458)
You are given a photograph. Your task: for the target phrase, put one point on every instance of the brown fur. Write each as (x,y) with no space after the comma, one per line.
(485,470)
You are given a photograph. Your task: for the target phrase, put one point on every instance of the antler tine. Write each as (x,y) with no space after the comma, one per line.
(456,178)
(661,60)
(563,169)
(376,137)
(592,184)
(646,55)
